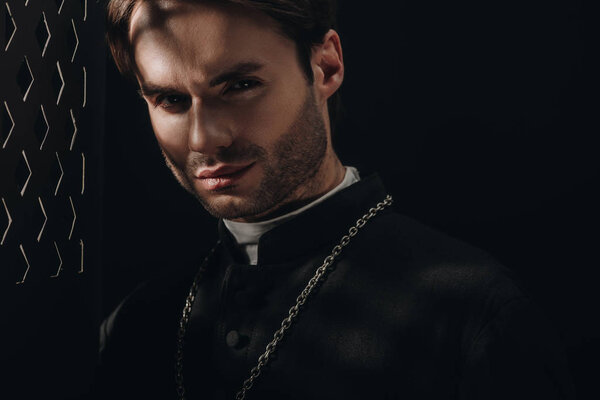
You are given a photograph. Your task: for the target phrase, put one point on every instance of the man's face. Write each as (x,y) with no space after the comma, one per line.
(234,115)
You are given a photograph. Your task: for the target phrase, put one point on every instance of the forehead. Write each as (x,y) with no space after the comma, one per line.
(202,37)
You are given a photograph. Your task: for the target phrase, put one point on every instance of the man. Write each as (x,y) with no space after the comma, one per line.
(316,289)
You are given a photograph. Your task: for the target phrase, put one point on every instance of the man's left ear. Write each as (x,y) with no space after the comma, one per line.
(328,65)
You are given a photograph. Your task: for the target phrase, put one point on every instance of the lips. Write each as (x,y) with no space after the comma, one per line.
(223,176)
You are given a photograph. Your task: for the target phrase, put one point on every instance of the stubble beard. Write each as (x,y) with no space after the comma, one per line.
(290,167)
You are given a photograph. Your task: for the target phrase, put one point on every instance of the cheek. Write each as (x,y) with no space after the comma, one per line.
(273,116)
(171,134)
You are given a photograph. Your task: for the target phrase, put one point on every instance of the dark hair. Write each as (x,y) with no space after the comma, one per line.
(305,22)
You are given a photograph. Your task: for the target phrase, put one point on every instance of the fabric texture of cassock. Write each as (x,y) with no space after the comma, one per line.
(405,312)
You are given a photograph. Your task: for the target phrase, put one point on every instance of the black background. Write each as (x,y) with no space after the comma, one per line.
(481,118)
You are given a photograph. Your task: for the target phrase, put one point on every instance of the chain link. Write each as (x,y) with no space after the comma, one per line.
(185,317)
(287,321)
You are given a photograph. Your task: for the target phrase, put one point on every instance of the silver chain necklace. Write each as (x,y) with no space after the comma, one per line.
(287,321)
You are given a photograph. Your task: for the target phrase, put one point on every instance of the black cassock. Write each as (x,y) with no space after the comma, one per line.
(405,313)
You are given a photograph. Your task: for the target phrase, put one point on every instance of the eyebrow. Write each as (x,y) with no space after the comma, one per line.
(238,70)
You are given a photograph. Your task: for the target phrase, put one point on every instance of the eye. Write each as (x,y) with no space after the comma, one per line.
(243,85)
(171,101)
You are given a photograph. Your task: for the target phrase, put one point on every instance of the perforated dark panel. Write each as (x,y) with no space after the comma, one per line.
(51,126)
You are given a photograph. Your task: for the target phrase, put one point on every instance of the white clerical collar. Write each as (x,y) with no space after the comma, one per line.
(247,234)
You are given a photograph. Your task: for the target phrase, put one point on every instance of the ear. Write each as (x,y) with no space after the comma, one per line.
(328,65)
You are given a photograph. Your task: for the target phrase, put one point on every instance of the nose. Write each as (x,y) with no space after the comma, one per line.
(206,134)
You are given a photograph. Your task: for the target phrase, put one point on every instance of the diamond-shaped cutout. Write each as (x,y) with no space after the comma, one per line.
(10,27)
(60,262)
(40,215)
(43,34)
(58,82)
(23,173)
(73,41)
(5,226)
(72,128)
(8,124)
(25,78)
(59,5)
(84,87)
(74,218)
(53,178)
(81,259)
(25,264)
(56,174)
(41,127)
(84,8)
(82,173)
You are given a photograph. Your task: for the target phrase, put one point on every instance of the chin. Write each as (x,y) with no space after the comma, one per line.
(226,206)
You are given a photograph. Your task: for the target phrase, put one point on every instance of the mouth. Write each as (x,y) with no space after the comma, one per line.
(223,176)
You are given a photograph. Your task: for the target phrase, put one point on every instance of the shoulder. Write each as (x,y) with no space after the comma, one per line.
(137,341)
(148,309)
(433,256)
(441,275)
(444,282)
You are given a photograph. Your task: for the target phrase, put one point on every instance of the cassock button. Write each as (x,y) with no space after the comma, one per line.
(233,339)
